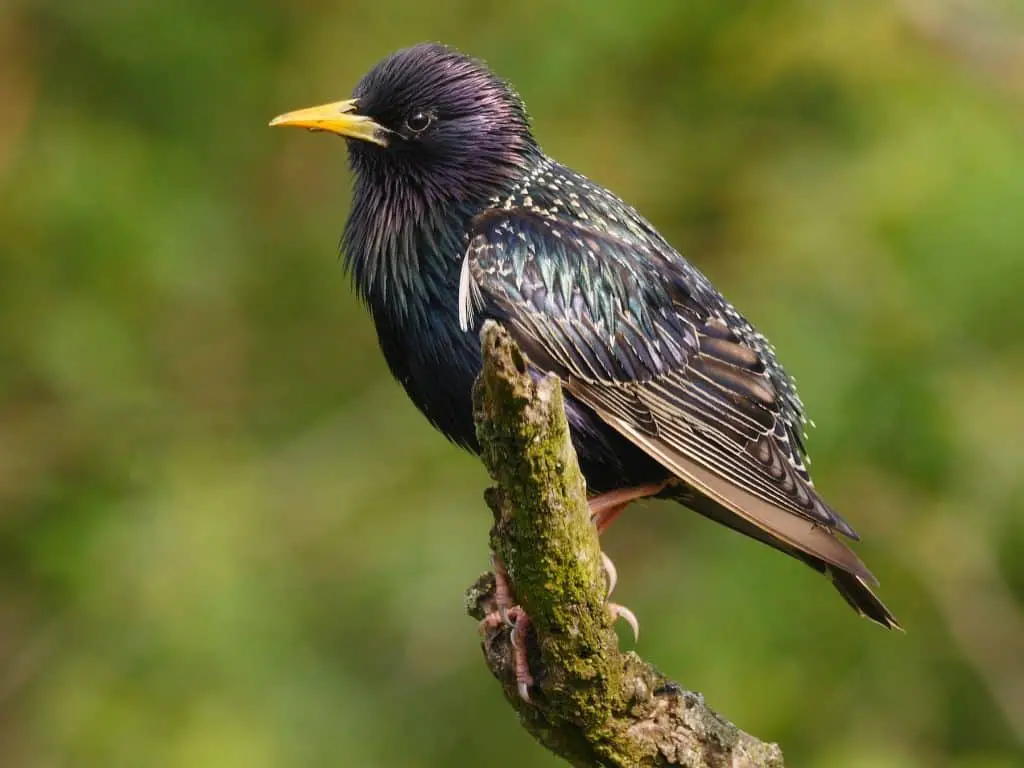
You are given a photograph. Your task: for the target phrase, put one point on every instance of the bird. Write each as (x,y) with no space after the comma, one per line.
(458,218)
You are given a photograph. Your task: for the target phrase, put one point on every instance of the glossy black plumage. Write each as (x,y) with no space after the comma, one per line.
(458,216)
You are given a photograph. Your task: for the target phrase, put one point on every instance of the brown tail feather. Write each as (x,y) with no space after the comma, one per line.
(854,591)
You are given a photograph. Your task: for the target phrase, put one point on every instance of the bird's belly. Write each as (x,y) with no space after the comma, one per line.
(441,390)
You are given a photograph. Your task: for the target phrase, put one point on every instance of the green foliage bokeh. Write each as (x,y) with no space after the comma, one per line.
(226,538)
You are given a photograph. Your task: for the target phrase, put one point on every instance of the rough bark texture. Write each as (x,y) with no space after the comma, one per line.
(592,704)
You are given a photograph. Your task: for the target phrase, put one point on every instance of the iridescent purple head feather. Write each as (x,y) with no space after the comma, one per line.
(454,130)
(451,136)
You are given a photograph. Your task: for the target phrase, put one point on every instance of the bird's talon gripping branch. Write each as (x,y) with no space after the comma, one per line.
(502,597)
(490,621)
(506,613)
(521,623)
(610,573)
(502,590)
(622,612)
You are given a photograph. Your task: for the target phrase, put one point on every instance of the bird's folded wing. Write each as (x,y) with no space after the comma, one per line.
(640,337)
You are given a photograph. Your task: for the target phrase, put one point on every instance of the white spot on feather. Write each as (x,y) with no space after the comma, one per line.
(471,300)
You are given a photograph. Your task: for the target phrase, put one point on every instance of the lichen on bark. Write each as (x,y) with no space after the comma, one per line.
(591,704)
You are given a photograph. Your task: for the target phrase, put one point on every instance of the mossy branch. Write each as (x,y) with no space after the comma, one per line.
(592,704)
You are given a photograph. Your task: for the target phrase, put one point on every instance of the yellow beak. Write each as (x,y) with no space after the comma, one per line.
(337,117)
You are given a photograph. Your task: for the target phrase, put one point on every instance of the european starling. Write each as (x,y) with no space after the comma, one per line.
(458,216)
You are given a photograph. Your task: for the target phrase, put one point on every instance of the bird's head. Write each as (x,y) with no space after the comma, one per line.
(430,123)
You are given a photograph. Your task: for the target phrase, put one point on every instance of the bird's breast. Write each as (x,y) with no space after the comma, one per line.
(435,361)
(404,257)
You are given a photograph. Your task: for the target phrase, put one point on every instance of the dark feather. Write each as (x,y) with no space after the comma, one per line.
(666,354)
(639,336)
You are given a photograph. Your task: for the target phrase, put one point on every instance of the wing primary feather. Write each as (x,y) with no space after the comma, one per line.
(798,532)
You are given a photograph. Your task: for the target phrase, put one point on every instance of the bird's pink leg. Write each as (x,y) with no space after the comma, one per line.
(502,597)
(605,507)
(506,612)
(520,623)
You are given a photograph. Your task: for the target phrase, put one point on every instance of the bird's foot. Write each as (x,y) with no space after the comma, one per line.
(502,597)
(604,508)
(618,611)
(507,613)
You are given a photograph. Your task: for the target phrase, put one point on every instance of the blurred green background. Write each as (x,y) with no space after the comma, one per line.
(227,539)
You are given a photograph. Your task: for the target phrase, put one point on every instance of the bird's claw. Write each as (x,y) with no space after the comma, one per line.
(610,572)
(618,611)
(506,613)
(502,598)
(524,680)
(622,612)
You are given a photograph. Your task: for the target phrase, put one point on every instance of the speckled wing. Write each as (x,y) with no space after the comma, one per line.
(642,338)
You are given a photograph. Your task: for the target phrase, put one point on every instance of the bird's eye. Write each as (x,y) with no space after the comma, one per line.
(417,122)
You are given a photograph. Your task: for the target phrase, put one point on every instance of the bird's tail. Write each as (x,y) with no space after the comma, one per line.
(860,597)
(853,587)
(750,513)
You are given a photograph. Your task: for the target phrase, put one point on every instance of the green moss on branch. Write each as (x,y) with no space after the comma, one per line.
(592,704)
